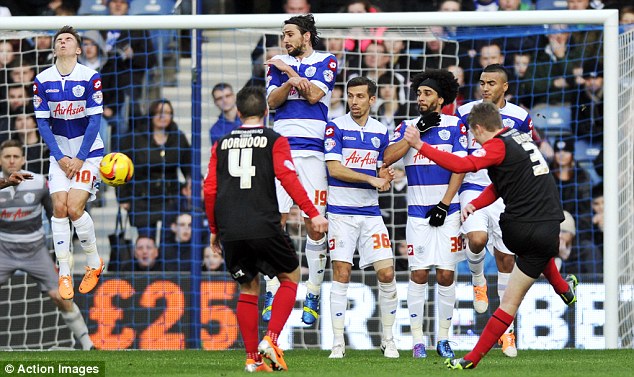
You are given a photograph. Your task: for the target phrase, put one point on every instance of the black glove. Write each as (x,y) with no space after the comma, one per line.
(437,214)
(427,121)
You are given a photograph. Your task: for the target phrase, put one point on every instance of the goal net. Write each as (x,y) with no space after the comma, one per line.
(173,303)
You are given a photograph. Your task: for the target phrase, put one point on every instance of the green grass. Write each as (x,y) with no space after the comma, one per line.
(560,363)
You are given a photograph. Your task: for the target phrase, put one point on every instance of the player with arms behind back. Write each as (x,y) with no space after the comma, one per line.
(354,146)
(529,223)
(299,87)
(22,240)
(68,106)
(433,219)
(241,180)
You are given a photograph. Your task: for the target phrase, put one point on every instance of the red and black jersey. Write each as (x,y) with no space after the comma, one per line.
(240,194)
(518,172)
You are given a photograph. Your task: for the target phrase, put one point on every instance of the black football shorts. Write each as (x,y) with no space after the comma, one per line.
(272,255)
(534,243)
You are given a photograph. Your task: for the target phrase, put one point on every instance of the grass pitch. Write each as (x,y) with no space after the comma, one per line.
(560,363)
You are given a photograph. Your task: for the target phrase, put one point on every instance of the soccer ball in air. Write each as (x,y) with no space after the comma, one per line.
(116,169)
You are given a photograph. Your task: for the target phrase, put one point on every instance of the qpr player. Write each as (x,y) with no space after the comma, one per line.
(354,145)
(68,105)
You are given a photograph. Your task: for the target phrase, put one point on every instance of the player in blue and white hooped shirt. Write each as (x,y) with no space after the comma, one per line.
(299,86)
(68,104)
(483,227)
(354,145)
(433,222)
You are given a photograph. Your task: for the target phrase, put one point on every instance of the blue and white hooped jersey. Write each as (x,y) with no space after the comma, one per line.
(302,123)
(68,101)
(360,149)
(426,181)
(513,116)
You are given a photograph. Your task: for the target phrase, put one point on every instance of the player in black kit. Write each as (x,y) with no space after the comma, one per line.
(241,205)
(529,223)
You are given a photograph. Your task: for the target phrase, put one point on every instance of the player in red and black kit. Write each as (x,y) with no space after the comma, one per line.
(241,205)
(529,223)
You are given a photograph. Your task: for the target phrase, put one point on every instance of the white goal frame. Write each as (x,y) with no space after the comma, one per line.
(607,18)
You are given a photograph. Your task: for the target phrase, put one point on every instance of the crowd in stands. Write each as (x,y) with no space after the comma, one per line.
(556,74)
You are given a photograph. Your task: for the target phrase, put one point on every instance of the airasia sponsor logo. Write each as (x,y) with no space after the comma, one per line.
(14,215)
(360,161)
(70,110)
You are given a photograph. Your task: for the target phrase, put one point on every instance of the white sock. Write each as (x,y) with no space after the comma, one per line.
(388,301)
(61,243)
(75,322)
(272,284)
(338,306)
(446,302)
(503,281)
(316,258)
(476,266)
(86,233)
(416,297)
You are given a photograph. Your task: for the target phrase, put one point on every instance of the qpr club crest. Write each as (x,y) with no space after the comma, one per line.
(444,134)
(29,198)
(310,71)
(329,76)
(37,101)
(463,140)
(376,142)
(78,90)
(508,122)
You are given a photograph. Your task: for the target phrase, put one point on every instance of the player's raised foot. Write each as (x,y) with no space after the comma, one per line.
(253,366)
(388,347)
(459,364)
(419,352)
(311,309)
(91,278)
(65,287)
(507,341)
(271,351)
(338,351)
(480,299)
(268,304)
(570,297)
(444,349)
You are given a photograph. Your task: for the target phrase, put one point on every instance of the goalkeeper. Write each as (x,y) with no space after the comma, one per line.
(433,210)
(23,195)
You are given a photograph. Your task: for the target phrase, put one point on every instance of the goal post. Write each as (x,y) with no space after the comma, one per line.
(618,190)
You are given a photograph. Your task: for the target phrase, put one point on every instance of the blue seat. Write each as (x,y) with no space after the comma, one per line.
(151,7)
(586,151)
(93,7)
(551,5)
(552,120)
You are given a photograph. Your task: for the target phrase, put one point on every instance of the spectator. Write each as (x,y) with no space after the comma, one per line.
(355,43)
(588,110)
(626,17)
(212,261)
(18,98)
(22,73)
(337,104)
(36,152)
(146,256)
(485,5)
(567,232)
(510,5)
(159,155)
(43,50)
(463,91)
(390,112)
(177,246)
(588,40)
(400,61)
(131,55)
(228,120)
(375,63)
(347,62)
(597,218)
(6,55)
(436,53)
(450,6)
(521,87)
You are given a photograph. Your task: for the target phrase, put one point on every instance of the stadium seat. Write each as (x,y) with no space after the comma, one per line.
(151,7)
(93,7)
(586,151)
(552,120)
(551,5)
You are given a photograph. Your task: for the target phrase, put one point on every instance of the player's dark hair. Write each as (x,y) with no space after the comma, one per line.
(441,80)
(497,68)
(362,80)
(306,24)
(487,115)
(70,30)
(12,143)
(251,102)
(221,86)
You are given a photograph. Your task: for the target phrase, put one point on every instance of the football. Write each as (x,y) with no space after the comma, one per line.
(116,169)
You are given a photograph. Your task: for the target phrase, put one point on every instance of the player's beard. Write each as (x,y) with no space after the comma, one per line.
(297,51)
(433,108)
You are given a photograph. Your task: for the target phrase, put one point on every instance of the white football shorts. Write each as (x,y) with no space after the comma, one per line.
(311,171)
(427,246)
(88,179)
(368,234)
(485,219)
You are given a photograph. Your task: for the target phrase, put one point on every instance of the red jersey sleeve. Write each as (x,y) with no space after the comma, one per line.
(491,154)
(486,197)
(210,189)
(285,172)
